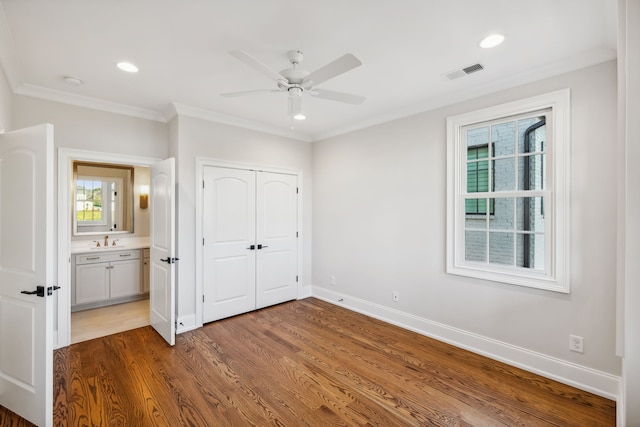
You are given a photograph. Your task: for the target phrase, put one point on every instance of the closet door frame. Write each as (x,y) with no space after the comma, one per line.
(201,163)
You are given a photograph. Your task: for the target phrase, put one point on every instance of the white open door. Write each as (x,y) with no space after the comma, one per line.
(162,247)
(26,264)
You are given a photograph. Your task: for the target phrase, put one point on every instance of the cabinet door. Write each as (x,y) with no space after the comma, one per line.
(92,282)
(125,278)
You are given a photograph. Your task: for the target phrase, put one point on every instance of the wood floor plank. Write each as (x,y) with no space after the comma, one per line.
(303,363)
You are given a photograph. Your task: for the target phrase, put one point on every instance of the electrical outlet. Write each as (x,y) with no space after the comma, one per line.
(332,280)
(396,296)
(576,343)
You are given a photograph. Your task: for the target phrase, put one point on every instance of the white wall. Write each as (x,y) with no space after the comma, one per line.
(379,226)
(199,138)
(6,103)
(93,130)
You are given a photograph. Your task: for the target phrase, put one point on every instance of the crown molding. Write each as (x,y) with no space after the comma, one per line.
(198,113)
(88,102)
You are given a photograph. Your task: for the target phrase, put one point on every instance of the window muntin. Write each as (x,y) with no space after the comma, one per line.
(508,193)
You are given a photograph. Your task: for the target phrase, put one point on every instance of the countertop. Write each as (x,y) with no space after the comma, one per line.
(122,243)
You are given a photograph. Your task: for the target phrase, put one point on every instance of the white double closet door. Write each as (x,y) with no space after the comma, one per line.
(250,244)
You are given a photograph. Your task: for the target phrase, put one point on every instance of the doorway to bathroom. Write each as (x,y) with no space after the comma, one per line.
(106,272)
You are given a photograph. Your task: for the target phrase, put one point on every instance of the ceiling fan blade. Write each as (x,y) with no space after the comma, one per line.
(257,65)
(337,96)
(248,92)
(333,69)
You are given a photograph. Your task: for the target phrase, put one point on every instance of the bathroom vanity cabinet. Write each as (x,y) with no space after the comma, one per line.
(107,277)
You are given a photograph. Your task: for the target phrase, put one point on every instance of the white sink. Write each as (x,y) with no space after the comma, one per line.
(107,247)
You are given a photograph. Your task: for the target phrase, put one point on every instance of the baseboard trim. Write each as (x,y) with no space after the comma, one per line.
(186,323)
(304,292)
(584,378)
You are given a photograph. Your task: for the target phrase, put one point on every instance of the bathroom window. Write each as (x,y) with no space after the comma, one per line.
(96,202)
(102,198)
(508,191)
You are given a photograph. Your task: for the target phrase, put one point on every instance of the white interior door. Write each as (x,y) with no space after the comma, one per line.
(162,250)
(228,260)
(276,237)
(26,261)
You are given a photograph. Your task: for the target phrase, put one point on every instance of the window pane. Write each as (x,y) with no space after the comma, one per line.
(477,176)
(530,214)
(501,248)
(531,135)
(502,215)
(475,246)
(530,250)
(88,200)
(503,137)
(504,174)
(478,136)
(477,206)
(531,174)
(475,221)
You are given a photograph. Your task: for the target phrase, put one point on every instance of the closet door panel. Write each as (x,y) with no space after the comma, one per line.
(229,231)
(277,222)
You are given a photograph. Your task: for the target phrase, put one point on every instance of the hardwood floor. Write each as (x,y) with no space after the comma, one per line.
(99,322)
(304,363)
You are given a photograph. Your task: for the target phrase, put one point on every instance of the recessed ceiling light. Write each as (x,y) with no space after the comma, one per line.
(73,81)
(128,67)
(299,116)
(491,41)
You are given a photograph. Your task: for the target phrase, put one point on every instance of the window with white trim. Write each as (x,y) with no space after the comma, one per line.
(508,192)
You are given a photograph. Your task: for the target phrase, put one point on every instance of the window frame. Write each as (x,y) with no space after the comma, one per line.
(556,276)
(107,219)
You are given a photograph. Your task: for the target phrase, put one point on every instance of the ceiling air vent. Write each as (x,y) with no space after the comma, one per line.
(464,71)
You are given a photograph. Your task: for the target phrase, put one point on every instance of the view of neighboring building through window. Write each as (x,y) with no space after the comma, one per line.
(508,210)
(511,232)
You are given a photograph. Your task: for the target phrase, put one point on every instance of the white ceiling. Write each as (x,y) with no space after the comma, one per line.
(181,48)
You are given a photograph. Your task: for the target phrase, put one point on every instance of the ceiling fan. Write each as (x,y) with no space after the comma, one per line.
(296,81)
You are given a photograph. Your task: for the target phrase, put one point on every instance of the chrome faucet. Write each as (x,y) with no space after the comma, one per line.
(106,240)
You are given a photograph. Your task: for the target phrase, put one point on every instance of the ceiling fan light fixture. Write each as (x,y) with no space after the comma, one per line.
(295,103)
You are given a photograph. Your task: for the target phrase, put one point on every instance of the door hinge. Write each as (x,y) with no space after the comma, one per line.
(203,241)
(297,190)
(202,298)
(296,234)
(203,183)
(296,278)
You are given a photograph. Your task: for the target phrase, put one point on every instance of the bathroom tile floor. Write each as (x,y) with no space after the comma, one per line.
(100,322)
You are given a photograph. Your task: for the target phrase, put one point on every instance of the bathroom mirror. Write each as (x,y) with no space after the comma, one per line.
(102,198)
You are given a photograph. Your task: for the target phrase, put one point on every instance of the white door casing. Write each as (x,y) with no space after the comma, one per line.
(162,249)
(249,228)
(229,229)
(276,234)
(26,261)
